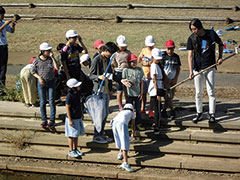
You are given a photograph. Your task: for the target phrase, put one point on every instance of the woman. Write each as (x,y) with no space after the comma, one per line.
(201,54)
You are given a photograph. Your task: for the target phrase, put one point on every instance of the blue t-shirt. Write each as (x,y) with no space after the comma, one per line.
(75,102)
(3,37)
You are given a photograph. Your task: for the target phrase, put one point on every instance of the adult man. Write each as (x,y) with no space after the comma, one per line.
(201,54)
(4,28)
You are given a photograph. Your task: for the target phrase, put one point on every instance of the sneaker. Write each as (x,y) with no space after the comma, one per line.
(172,115)
(151,114)
(143,111)
(164,113)
(73,154)
(44,124)
(212,118)
(99,140)
(140,128)
(156,131)
(126,167)
(120,156)
(107,138)
(78,152)
(51,124)
(198,117)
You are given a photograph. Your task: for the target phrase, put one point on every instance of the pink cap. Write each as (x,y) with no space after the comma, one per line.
(98,44)
(131,57)
(170,44)
(32,59)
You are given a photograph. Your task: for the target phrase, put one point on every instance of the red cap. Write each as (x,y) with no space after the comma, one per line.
(32,59)
(131,57)
(98,44)
(170,43)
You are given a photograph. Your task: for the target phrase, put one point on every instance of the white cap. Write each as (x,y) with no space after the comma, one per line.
(156,53)
(45,46)
(73,83)
(121,41)
(128,105)
(220,32)
(149,41)
(84,58)
(71,33)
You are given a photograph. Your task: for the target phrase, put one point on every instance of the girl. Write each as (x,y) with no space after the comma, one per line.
(156,87)
(43,70)
(73,124)
(121,135)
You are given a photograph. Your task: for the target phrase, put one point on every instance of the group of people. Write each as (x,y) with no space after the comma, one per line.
(158,71)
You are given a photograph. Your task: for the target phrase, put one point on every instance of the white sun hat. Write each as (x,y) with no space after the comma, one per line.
(121,41)
(84,58)
(73,83)
(71,33)
(45,46)
(128,105)
(149,41)
(156,53)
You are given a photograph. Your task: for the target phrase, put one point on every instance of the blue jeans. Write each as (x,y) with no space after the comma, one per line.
(96,133)
(48,87)
(136,102)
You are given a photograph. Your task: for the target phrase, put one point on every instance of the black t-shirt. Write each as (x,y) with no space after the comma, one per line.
(204,55)
(75,102)
(70,54)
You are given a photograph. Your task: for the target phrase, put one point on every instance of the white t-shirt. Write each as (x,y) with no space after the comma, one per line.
(155,70)
(125,116)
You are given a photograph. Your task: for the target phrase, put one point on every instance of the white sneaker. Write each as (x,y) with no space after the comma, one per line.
(126,167)
(107,138)
(99,140)
(120,156)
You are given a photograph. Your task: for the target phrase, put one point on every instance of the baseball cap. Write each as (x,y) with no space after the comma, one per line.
(128,105)
(131,57)
(73,83)
(71,33)
(169,44)
(149,41)
(98,44)
(121,41)
(84,58)
(156,53)
(45,46)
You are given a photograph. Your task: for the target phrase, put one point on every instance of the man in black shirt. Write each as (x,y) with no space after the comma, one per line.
(201,54)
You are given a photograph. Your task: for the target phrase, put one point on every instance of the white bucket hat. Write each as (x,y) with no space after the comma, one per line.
(84,58)
(128,105)
(149,41)
(45,46)
(73,83)
(121,41)
(156,53)
(71,33)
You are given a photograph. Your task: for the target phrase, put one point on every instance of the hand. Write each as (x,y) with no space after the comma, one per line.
(41,81)
(101,77)
(14,23)
(8,22)
(51,54)
(140,96)
(158,98)
(219,61)
(71,123)
(191,76)
(126,83)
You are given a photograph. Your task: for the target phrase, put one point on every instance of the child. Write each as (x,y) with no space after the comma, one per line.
(156,88)
(132,78)
(118,64)
(29,85)
(70,55)
(74,124)
(97,45)
(121,135)
(43,70)
(145,58)
(171,64)
(85,60)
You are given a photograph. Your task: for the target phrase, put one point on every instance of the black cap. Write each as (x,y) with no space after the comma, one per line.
(111,47)
(2,10)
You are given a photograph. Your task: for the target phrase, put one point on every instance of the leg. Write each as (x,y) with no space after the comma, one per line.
(75,143)
(24,87)
(156,114)
(70,143)
(32,90)
(51,95)
(3,64)
(198,82)
(43,100)
(125,156)
(138,110)
(210,83)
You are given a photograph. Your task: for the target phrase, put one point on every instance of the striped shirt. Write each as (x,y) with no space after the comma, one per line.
(44,68)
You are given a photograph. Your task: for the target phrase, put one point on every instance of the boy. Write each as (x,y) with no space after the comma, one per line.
(132,78)
(145,58)
(121,135)
(118,64)
(171,64)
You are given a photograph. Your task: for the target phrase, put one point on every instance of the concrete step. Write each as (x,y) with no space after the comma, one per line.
(138,160)
(141,146)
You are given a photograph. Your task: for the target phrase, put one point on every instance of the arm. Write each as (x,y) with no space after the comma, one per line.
(174,81)
(220,49)
(69,114)
(94,72)
(54,61)
(4,25)
(41,81)
(85,51)
(65,68)
(190,64)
